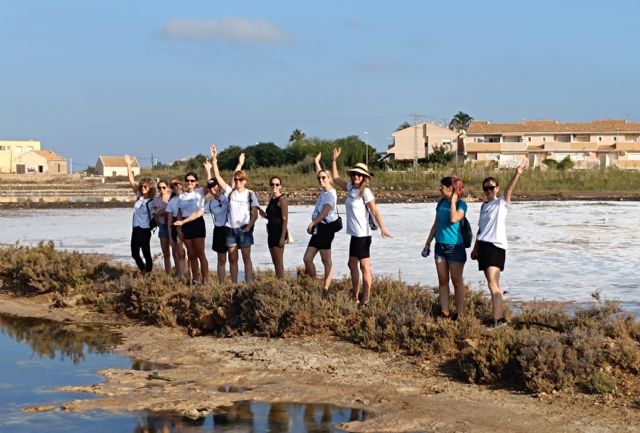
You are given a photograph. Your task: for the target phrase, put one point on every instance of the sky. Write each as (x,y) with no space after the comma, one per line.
(168,78)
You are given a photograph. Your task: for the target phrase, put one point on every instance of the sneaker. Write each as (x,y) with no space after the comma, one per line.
(500,323)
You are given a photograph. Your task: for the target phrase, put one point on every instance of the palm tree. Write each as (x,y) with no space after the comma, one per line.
(460,122)
(297,135)
(404,125)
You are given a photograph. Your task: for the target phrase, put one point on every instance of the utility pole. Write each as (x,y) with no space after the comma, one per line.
(151,159)
(415,142)
(70,165)
(366,148)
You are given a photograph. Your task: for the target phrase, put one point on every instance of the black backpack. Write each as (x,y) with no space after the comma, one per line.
(467,233)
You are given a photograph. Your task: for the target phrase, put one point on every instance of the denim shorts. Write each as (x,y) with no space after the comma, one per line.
(236,237)
(453,254)
(163,231)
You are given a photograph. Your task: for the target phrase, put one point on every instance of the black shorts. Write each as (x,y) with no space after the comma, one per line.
(274,231)
(359,247)
(195,229)
(174,233)
(323,238)
(490,255)
(220,239)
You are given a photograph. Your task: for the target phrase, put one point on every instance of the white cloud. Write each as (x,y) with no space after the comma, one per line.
(234,30)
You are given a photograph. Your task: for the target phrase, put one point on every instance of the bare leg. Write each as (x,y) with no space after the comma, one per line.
(277,258)
(309,266)
(222,263)
(233,263)
(493,280)
(192,256)
(355,277)
(365,268)
(443,285)
(166,254)
(458,285)
(248,265)
(201,257)
(328,267)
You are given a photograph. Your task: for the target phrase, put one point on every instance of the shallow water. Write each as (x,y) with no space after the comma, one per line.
(39,355)
(558,250)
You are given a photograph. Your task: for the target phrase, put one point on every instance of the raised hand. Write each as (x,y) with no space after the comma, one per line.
(336,153)
(128,160)
(214,151)
(523,166)
(241,158)
(318,157)
(207,166)
(454,197)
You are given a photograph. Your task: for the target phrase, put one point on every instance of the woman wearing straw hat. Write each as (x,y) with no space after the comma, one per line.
(360,206)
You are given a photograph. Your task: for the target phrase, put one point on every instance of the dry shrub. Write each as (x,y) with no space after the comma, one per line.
(596,349)
(41,269)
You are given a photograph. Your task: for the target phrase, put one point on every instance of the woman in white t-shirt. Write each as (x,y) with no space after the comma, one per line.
(491,241)
(243,213)
(145,190)
(360,206)
(321,227)
(218,208)
(191,203)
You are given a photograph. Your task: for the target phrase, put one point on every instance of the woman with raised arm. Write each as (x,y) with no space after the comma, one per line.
(142,214)
(191,204)
(277,215)
(491,242)
(450,254)
(160,205)
(321,227)
(218,208)
(176,239)
(360,206)
(243,213)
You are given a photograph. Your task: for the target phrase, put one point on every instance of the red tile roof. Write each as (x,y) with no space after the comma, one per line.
(555,127)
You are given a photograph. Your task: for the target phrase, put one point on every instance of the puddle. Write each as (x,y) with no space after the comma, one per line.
(39,355)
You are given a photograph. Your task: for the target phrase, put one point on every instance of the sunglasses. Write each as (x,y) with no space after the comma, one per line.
(144,186)
(238,179)
(162,187)
(274,184)
(488,188)
(190,180)
(322,177)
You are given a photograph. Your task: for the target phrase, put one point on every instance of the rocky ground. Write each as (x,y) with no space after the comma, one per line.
(400,393)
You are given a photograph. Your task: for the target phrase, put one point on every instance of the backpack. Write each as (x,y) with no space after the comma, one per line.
(467,233)
(152,221)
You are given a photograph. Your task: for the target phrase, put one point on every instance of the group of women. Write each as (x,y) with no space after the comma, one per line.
(179,213)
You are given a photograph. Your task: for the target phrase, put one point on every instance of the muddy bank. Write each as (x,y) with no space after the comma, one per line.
(401,393)
(309,198)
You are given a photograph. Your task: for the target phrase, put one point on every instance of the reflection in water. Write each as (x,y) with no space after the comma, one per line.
(46,337)
(256,417)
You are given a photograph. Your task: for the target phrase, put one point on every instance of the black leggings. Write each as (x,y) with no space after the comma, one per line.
(141,239)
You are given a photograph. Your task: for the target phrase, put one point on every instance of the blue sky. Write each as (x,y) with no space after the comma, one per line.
(170,77)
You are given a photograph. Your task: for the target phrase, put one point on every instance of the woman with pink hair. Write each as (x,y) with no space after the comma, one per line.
(450,254)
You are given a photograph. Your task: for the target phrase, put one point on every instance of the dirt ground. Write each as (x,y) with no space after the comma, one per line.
(400,393)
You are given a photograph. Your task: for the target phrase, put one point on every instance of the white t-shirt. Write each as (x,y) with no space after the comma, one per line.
(140,213)
(357,212)
(492,222)
(239,211)
(191,202)
(173,206)
(326,197)
(219,208)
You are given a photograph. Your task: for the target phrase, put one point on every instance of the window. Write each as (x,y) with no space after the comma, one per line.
(529,139)
(599,138)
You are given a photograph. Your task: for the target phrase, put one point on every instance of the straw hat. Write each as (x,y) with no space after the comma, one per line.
(361,169)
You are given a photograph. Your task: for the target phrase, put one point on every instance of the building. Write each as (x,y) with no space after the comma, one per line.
(110,166)
(424,136)
(41,161)
(10,150)
(599,143)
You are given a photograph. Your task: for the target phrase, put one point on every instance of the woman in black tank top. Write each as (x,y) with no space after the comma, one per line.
(277,214)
